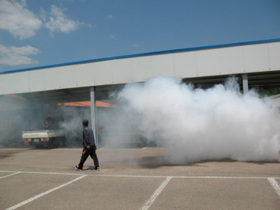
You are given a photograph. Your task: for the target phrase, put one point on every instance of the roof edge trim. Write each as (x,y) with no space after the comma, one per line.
(145,54)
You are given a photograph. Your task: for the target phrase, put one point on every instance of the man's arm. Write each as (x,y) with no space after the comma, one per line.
(86,136)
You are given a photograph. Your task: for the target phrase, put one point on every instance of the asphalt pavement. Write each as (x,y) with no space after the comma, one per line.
(133,178)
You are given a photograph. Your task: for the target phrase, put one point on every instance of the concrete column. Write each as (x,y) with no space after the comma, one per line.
(245,83)
(93,113)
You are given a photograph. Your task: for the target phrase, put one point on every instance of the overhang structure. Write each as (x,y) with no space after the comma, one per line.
(257,64)
(259,60)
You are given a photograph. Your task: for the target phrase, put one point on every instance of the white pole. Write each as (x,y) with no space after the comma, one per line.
(93,113)
(245,83)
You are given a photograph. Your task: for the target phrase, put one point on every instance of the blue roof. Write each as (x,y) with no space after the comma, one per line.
(145,54)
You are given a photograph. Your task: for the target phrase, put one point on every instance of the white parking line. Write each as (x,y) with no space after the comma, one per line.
(44,193)
(10,175)
(221,177)
(94,173)
(274,185)
(151,200)
(153,197)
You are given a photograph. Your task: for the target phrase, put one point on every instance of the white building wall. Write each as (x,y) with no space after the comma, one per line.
(197,63)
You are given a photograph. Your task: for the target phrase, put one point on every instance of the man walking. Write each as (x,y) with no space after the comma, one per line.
(89,147)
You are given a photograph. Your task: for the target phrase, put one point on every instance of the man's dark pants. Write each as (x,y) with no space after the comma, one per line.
(86,153)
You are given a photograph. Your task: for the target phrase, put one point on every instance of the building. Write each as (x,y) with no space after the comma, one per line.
(257,64)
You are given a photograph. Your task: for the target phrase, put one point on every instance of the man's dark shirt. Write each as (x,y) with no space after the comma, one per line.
(88,137)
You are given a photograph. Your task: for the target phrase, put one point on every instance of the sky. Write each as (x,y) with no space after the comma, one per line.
(35,33)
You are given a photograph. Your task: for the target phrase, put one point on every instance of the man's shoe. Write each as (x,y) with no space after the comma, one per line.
(77,168)
(96,168)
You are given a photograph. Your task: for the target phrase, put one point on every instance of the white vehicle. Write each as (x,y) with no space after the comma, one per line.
(44,138)
(50,133)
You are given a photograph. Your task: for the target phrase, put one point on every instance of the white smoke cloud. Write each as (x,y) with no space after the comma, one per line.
(196,124)
(72,124)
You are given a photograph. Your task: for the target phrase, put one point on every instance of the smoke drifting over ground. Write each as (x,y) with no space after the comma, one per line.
(197,124)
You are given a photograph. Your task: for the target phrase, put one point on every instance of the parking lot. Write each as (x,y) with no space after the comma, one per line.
(132,179)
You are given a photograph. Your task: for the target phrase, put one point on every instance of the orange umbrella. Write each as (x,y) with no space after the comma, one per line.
(86,104)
